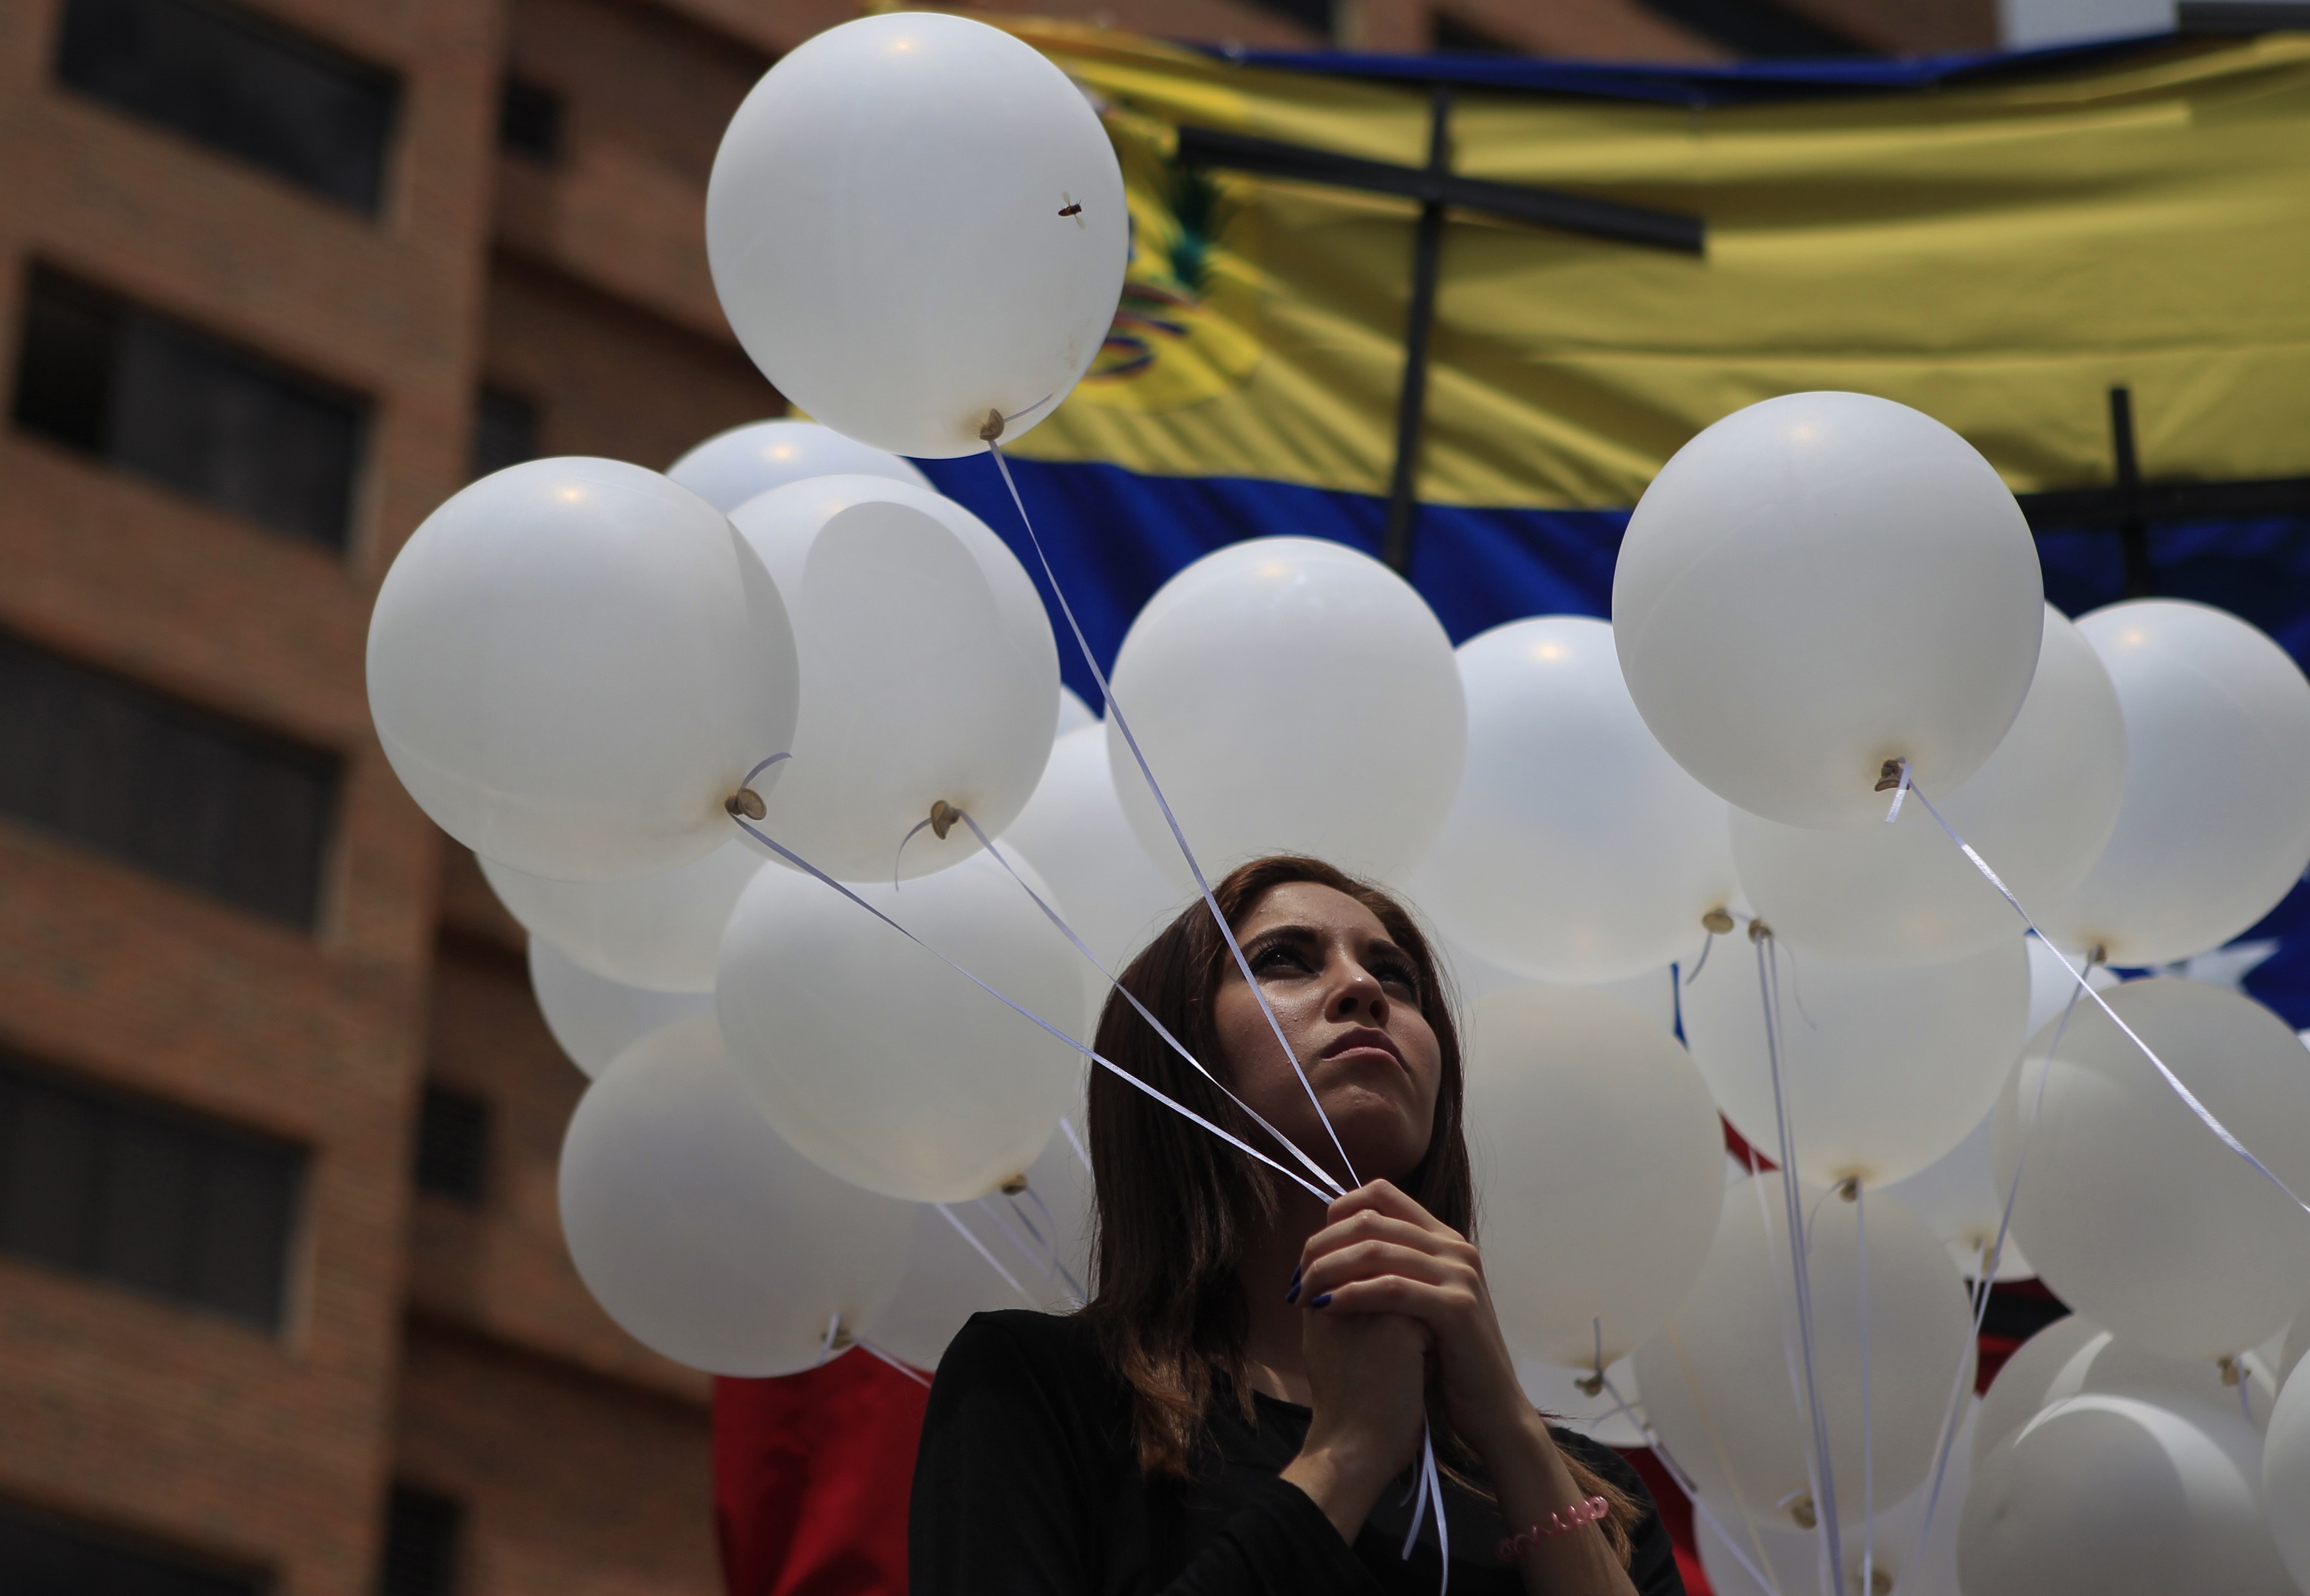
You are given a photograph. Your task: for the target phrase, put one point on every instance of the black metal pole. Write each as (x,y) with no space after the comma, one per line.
(2132,530)
(1412,399)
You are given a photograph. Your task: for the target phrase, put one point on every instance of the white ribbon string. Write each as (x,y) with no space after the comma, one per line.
(1825,1479)
(1685,1483)
(1788,1341)
(1995,1257)
(979,1247)
(1899,793)
(1155,789)
(1426,1488)
(908,1369)
(1868,1447)
(2205,1115)
(1066,1127)
(812,871)
(1050,1243)
(1068,931)
(1037,1252)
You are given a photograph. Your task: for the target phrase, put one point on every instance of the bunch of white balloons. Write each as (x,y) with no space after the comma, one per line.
(670,711)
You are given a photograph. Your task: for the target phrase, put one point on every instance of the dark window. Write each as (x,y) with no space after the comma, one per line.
(41,1555)
(145,1196)
(505,431)
(452,1144)
(1448,32)
(240,84)
(1315,14)
(1756,28)
(215,421)
(420,1544)
(529,119)
(184,794)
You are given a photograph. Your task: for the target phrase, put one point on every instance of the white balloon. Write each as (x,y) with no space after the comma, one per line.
(2135,1212)
(1075,715)
(1884,1070)
(878,1061)
(914,218)
(1715,1378)
(928,670)
(2291,1349)
(2213,830)
(1039,1237)
(1957,1197)
(1792,1558)
(2286,1477)
(663,932)
(1290,695)
(1475,978)
(2074,1356)
(699,1231)
(1558,1392)
(2052,986)
(732,466)
(2038,811)
(1073,832)
(1598,1161)
(2105,1495)
(571,664)
(595,1020)
(2017,1393)
(1577,850)
(1815,585)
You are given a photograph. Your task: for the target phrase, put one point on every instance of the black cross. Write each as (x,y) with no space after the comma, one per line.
(1436,187)
(2127,506)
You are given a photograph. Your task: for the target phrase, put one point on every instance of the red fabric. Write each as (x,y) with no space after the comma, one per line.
(810,1478)
(1676,1513)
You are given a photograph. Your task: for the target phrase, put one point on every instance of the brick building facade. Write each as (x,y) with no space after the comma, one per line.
(284,1300)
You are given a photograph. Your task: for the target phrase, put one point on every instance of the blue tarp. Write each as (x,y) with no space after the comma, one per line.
(1738,82)
(1114,537)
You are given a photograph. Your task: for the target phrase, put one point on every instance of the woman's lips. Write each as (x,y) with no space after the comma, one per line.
(1365,1039)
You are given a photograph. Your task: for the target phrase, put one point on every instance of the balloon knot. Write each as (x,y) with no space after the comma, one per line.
(943,815)
(2231,1372)
(1758,931)
(744,804)
(1849,1188)
(1717,922)
(2098,954)
(990,428)
(1591,1385)
(1889,777)
(1013,1184)
(1801,1511)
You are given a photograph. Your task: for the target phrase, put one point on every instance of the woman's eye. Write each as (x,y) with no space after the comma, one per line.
(1398,975)
(1279,958)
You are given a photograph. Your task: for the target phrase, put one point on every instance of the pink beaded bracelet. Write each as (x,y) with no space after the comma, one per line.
(1570,1518)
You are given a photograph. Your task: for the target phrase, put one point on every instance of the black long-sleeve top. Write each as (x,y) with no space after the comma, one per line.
(1029,1484)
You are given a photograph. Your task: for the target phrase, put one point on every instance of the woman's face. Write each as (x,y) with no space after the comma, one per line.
(1348,1000)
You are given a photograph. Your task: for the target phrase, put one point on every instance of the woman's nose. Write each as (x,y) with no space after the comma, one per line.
(1358,992)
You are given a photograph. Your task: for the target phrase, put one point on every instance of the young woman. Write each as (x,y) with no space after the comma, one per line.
(1239,1409)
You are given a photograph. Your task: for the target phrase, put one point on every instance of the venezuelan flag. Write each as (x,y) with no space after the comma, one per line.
(1998,240)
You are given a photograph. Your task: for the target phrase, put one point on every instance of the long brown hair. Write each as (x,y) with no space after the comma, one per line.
(1177,1207)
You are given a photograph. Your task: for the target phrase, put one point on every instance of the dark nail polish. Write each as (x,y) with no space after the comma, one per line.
(1292,1295)
(1324,1301)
